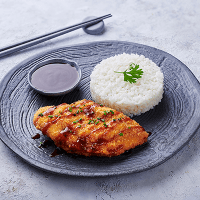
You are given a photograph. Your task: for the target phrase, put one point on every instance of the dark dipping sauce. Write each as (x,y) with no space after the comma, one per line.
(55,77)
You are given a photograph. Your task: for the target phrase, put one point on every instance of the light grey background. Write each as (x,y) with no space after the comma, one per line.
(172,26)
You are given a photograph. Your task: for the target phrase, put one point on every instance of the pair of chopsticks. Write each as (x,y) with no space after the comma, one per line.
(28,43)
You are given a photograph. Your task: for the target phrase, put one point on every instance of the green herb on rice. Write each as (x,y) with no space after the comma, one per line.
(132,74)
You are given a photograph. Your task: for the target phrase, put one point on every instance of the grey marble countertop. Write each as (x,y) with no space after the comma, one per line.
(172,26)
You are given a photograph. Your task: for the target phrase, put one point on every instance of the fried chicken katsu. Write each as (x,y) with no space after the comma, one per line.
(89,129)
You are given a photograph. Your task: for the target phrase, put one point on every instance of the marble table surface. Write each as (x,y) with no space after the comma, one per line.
(172,26)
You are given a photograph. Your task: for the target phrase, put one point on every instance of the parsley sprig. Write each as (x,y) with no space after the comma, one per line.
(132,74)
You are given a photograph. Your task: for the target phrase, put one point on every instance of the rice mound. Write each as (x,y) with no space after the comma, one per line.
(110,89)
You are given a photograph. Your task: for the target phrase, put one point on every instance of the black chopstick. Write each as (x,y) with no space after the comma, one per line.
(28,43)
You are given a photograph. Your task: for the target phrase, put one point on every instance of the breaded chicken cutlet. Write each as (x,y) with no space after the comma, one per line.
(89,129)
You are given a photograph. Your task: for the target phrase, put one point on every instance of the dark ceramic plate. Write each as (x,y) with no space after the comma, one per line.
(172,123)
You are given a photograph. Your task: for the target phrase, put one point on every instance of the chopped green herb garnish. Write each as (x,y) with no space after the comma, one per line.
(129,127)
(70,109)
(60,112)
(112,111)
(56,115)
(74,114)
(75,121)
(105,124)
(119,118)
(77,111)
(105,112)
(96,122)
(80,119)
(92,121)
(101,105)
(79,126)
(121,134)
(114,119)
(103,120)
(50,116)
(133,74)
(40,114)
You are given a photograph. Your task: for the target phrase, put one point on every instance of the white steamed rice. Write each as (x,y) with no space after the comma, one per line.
(110,89)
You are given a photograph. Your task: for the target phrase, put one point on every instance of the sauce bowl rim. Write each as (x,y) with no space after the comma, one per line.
(55,61)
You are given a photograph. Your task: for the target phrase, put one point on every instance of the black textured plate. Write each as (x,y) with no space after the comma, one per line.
(172,123)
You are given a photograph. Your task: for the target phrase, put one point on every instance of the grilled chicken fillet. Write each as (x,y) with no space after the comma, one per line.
(89,129)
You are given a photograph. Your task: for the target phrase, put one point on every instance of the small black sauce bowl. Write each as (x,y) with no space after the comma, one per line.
(55,61)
